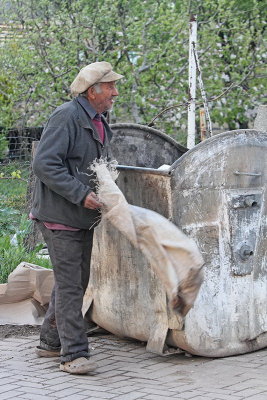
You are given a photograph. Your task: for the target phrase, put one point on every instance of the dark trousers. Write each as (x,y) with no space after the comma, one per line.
(63,326)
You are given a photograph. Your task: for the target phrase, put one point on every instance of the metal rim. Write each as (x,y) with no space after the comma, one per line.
(151,131)
(210,140)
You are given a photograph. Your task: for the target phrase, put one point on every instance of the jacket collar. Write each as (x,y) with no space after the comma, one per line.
(85,110)
(85,115)
(87,106)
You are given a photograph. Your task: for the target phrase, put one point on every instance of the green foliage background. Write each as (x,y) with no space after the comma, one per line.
(147,41)
(14,221)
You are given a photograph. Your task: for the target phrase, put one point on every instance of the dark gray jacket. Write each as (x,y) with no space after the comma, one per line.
(68,146)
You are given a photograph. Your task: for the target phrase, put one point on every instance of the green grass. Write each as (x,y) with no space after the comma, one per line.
(13,190)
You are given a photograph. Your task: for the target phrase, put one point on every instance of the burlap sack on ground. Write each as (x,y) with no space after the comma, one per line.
(24,297)
(173,256)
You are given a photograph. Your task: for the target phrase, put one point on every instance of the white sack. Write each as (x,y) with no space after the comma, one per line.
(173,256)
(23,297)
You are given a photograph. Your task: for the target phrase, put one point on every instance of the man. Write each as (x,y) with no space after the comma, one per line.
(66,208)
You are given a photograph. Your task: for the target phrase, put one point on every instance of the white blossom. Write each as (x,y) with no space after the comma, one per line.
(225,77)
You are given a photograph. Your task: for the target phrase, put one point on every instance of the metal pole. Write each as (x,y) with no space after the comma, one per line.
(191,132)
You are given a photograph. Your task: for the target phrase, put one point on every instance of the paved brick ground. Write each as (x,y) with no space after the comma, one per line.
(127,372)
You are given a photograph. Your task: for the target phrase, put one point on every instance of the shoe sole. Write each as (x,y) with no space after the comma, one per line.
(78,369)
(47,353)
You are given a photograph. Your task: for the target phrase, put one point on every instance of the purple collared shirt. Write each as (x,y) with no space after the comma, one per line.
(54,226)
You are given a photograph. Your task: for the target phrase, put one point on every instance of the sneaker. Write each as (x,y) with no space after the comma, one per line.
(46,353)
(79,366)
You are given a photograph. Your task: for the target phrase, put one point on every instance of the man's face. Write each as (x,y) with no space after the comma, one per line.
(103,96)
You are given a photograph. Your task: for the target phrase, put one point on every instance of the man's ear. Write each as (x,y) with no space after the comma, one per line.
(91,93)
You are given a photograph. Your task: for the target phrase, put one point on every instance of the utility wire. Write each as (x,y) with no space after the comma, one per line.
(186,103)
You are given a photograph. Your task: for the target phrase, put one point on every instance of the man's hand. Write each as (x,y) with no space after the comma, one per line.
(92,202)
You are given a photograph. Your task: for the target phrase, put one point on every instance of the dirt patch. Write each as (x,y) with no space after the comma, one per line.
(18,330)
(28,330)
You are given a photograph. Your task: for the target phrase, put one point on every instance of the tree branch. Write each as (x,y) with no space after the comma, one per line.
(232,86)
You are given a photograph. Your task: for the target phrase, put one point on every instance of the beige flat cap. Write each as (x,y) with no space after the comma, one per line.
(91,74)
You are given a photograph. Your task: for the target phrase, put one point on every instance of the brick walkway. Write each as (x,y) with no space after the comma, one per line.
(127,372)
